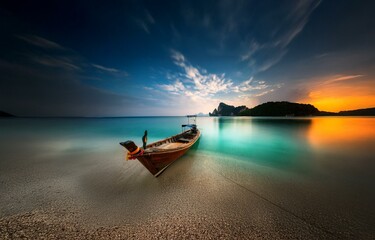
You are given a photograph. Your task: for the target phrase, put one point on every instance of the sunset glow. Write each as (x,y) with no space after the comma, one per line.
(337,103)
(342,93)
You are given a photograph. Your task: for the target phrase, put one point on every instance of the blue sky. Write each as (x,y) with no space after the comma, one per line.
(140,58)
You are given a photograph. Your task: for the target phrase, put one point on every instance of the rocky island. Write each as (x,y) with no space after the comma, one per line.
(267,109)
(228,110)
(282,109)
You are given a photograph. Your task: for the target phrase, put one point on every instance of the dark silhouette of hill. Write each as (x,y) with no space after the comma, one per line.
(282,109)
(277,109)
(228,110)
(5,114)
(324,113)
(358,112)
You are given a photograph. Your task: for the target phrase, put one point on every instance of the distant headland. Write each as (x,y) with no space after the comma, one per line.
(282,109)
(5,114)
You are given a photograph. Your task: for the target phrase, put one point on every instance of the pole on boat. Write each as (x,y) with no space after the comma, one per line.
(144,140)
(193,126)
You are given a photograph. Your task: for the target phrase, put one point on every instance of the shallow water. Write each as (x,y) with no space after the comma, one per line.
(318,169)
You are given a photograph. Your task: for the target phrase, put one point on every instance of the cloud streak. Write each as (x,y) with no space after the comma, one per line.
(28,91)
(107,69)
(257,34)
(347,77)
(201,86)
(48,79)
(146,21)
(56,62)
(260,55)
(40,42)
(65,58)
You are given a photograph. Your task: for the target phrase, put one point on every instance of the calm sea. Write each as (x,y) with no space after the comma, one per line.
(317,166)
(312,145)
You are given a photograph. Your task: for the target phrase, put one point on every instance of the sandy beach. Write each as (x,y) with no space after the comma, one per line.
(193,199)
(64,183)
(180,204)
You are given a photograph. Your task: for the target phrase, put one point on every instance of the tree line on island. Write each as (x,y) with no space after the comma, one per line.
(282,109)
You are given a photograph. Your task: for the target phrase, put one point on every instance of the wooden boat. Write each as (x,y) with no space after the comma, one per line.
(159,155)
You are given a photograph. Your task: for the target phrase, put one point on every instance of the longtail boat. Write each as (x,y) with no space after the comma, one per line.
(157,156)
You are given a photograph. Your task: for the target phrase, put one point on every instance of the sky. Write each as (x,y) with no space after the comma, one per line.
(156,58)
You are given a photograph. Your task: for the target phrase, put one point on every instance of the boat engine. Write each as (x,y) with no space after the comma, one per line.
(194,128)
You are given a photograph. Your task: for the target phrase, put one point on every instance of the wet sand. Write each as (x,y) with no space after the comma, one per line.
(77,195)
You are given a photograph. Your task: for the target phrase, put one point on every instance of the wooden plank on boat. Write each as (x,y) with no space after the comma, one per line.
(170,145)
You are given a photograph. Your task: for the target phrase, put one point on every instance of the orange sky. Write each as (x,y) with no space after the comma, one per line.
(338,93)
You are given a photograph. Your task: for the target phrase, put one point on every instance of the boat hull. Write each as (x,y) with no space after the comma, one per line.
(158,162)
(157,159)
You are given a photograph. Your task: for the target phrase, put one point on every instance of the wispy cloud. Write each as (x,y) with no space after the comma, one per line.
(264,93)
(51,54)
(64,58)
(257,34)
(28,90)
(177,57)
(204,83)
(271,61)
(297,19)
(40,42)
(146,21)
(176,88)
(335,79)
(263,54)
(253,48)
(107,69)
(250,85)
(149,17)
(342,78)
(110,71)
(199,85)
(56,62)
(144,26)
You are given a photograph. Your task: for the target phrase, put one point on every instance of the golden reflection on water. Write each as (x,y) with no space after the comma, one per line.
(341,130)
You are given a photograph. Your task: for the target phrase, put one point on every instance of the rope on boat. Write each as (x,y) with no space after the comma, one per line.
(133,155)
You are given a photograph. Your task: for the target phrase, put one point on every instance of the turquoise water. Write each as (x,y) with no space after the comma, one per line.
(289,144)
(341,149)
(321,169)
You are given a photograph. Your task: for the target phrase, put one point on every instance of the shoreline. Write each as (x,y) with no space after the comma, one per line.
(69,179)
(183,203)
